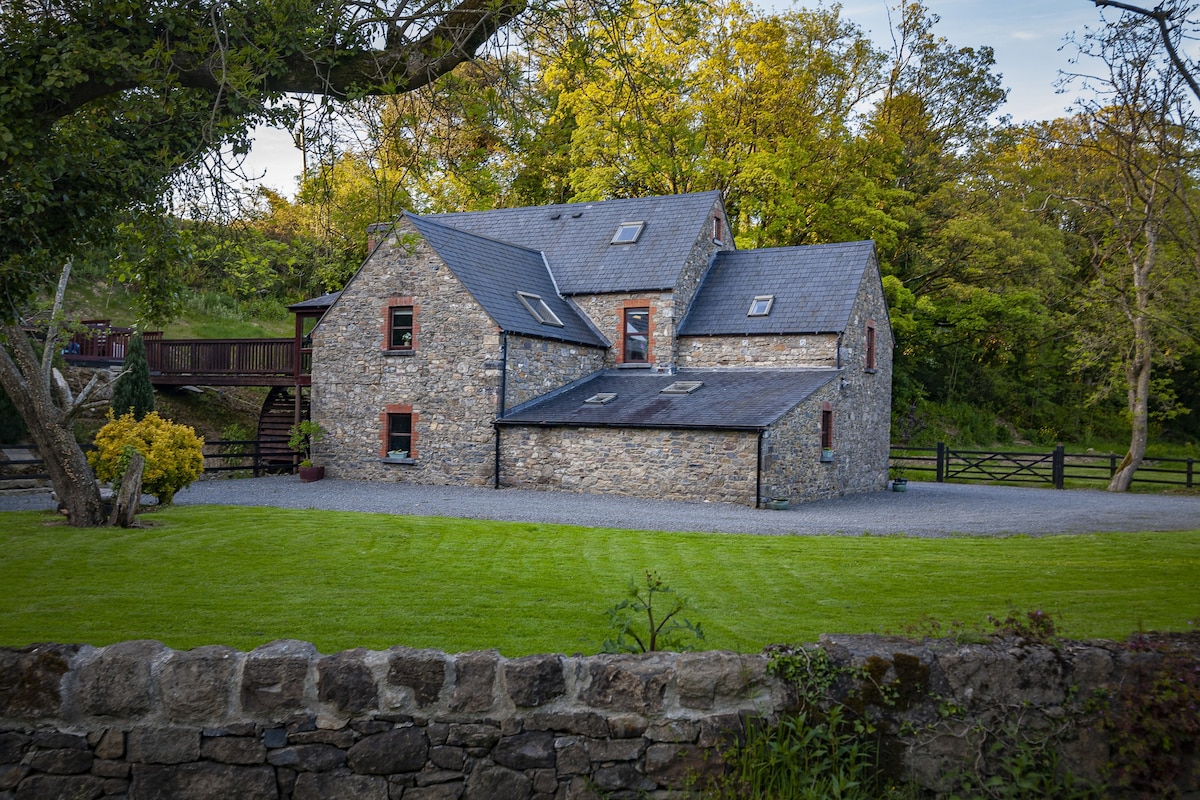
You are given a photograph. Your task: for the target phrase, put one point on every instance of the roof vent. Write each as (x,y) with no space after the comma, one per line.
(682,387)
(601,399)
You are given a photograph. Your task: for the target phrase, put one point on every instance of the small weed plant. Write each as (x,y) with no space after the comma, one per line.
(806,756)
(651,618)
(1153,723)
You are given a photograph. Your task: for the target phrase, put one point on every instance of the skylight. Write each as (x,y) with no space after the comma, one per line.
(761,305)
(682,387)
(601,399)
(538,309)
(628,232)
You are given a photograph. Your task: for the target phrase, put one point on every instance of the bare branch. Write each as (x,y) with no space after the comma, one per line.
(1164,17)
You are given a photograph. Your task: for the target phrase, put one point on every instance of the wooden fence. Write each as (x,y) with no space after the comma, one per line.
(247,456)
(946,464)
(942,463)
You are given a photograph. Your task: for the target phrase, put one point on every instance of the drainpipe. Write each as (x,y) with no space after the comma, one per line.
(758,472)
(503,389)
(839,349)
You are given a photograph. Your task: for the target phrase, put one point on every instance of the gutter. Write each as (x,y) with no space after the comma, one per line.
(758,472)
(503,392)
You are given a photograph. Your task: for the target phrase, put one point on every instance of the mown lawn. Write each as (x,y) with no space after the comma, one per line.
(245,576)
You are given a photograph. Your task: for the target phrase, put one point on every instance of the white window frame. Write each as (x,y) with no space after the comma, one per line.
(760,306)
(538,309)
(628,232)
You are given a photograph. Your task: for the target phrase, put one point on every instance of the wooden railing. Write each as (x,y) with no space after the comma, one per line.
(944,463)
(248,362)
(247,456)
(221,357)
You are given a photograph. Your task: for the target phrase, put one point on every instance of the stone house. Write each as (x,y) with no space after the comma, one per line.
(623,346)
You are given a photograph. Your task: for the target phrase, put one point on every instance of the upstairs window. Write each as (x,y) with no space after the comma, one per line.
(627,232)
(400,325)
(761,306)
(718,231)
(636,338)
(538,309)
(870,347)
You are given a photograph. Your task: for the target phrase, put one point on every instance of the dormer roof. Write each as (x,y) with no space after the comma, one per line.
(585,243)
(812,289)
(513,284)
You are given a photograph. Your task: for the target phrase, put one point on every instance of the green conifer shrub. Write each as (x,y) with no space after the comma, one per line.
(133,392)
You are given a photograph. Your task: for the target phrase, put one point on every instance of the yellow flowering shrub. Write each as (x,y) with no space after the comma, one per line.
(174,453)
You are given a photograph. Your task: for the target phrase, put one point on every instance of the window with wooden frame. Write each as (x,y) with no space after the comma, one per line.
(400,325)
(399,433)
(635,335)
(827,426)
(870,346)
(718,230)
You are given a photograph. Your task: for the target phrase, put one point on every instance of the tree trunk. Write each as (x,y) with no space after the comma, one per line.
(1137,372)
(50,427)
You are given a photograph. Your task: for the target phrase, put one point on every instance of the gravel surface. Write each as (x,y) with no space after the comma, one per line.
(926,509)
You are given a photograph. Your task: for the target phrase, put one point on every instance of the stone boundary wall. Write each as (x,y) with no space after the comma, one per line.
(139,720)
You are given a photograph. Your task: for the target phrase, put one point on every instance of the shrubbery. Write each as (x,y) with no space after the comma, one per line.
(174,453)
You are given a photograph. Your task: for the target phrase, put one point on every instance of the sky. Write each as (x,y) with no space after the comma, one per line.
(1027,37)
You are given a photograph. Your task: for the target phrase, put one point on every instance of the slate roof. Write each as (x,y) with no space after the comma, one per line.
(576,238)
(324,301)
(814,288)
(743,399)
(495,271)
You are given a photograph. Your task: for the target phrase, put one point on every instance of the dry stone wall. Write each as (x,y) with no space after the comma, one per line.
(138,720)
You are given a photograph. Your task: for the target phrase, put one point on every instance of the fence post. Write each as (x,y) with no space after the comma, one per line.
(941,461)
(1059,469)
(1190,472)
(257,458)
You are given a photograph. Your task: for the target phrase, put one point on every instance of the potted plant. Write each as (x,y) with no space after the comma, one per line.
(301,438)
(899,482)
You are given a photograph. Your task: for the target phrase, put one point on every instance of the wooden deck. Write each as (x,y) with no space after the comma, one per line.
(209,362)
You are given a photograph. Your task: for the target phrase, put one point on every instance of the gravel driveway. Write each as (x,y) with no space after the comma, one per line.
(926,509)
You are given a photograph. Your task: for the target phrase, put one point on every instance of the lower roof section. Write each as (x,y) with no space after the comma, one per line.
(730,399)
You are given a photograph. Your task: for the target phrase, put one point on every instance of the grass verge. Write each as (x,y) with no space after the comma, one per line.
(244,576)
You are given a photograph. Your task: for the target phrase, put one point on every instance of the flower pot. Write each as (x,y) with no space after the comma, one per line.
(778,503)
(900,485)
(310,474)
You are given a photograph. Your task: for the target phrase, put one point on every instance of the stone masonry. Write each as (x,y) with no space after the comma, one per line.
(139,720)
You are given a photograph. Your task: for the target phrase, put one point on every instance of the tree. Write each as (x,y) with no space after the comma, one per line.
(104,102)
(132,392)
(1132,156)
(1173,20)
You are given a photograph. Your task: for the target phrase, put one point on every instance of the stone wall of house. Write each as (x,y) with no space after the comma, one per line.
(451,379)
(863,410)
(792,468)
(719,466)
(536,366)
(606,311)
(138,720)
(811,350)
(667,308)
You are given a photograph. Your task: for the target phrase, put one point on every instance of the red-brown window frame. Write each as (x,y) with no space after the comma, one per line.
(827,426)
(393,305)
(635,305)
(870,348)
(385,432)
